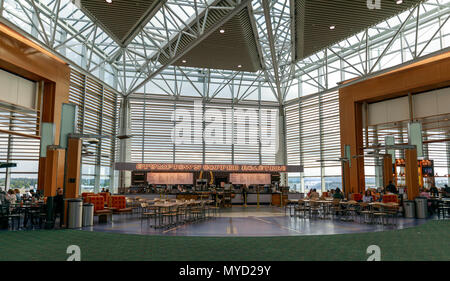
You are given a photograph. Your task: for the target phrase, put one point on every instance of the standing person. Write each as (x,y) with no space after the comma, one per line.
(391,188)
(244,194)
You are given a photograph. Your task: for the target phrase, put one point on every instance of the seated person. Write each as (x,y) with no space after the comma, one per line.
(446,191)
(338,194)
(367,198)
(434,191)
(313,194)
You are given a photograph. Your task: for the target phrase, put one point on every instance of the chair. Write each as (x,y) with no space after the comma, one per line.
(300,207)
(170,214)
(379,214)
(227,197)
(99,207)
(443,209)
(314,209)
(366,213)
(198,212)
(106,196)
(349,213)
(391,210)
(336,209)
(118,205)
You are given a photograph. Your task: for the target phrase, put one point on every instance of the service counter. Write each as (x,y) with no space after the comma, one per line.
(237,198)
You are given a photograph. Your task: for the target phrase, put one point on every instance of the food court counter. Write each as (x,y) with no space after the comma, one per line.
(237,199)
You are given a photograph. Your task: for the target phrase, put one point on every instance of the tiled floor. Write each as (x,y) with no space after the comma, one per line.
(250,221)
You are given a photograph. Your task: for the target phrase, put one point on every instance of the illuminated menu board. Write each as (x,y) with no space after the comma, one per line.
(170,178)
(154,167)
(241,178)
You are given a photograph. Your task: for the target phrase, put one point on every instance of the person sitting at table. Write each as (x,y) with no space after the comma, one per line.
(446,191)
(309,192)
(314,195)
(331,193)
(434,191)
(2,197)
(367,198)
(338,194)
(11,198)
(18,195)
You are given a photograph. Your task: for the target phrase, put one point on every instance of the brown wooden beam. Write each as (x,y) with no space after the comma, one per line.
(411,173)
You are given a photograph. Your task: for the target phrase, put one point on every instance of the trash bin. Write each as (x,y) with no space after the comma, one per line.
(421,207)
(74,214)
(88,214)
(408,206)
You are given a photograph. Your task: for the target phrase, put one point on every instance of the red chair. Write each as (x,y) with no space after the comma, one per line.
(357,197)
(99,205)
(106,196)
(388,198)
(87,194)
(119,204)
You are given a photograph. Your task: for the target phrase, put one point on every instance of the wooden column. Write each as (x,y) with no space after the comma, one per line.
(54,156)
(412,174)
(73,165)
(387,170)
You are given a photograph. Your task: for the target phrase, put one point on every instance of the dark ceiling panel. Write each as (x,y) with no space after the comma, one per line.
(314,18)
(120,18)
(237,46)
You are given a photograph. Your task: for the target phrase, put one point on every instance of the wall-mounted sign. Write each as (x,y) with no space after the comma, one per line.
(153,167)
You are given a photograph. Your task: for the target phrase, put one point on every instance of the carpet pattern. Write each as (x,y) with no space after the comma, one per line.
(430,241)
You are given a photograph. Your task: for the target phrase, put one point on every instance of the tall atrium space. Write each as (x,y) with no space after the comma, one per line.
(226,132)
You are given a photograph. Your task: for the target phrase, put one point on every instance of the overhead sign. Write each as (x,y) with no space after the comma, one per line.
(153,167)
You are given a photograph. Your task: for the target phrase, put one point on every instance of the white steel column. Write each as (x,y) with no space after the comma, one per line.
(125,143)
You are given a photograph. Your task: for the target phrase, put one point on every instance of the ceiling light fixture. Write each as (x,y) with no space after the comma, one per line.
(222,31)
(332,27)
(183,61)
(399,2)
(239,66)
(109,1)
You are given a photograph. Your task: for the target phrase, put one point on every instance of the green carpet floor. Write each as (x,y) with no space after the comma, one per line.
(430,241)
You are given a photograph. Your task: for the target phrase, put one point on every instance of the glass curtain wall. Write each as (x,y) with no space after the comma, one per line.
(97,115)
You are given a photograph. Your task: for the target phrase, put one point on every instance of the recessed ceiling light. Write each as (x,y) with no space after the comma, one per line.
(109,1)
(183,61)
(222,31)
(332,27)
(399,2)
(239,66)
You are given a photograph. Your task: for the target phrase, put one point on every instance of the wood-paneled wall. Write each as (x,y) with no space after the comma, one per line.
(428,74)
(23,57)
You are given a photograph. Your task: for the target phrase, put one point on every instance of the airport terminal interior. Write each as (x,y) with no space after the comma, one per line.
(224,129)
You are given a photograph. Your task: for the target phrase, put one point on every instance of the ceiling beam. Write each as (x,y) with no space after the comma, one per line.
(240,4)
